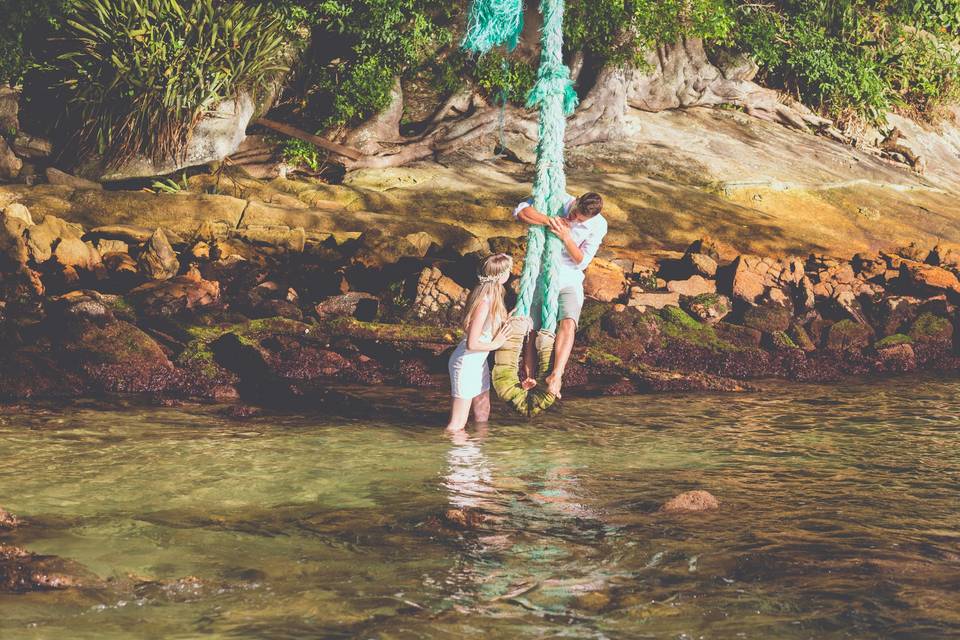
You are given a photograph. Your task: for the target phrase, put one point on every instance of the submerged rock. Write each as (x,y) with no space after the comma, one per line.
(691,501)
(22,571)
(8,520)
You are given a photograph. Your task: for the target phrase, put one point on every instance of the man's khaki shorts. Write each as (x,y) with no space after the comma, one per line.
(570,304)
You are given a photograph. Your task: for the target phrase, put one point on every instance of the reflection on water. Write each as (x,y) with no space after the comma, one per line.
(839,520)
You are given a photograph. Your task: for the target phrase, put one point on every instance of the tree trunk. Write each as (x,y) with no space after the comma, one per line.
(679,76)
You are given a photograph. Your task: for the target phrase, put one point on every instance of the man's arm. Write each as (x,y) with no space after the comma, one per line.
(561,228)
(529,215)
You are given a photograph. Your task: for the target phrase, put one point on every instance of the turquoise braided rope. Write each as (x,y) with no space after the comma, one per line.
(495,22)
(554,94)
(492,23)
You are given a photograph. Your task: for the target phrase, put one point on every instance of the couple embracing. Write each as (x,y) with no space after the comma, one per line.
(581,229)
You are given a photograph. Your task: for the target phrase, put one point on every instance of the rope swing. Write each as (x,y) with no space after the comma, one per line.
(499,22)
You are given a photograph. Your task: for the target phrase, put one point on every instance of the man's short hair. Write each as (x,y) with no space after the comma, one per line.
(590,204)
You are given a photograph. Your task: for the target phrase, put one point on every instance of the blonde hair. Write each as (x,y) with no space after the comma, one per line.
(490,272)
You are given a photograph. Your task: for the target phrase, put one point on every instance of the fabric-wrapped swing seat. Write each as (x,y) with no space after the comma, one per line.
(506,370)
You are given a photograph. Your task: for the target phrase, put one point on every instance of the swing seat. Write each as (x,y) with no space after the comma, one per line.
(505,376)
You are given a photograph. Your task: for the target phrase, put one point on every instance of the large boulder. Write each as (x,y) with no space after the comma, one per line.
(218,136)
(18,210)
(13,245)
(693,286)
(642,300)
(116,357)
(925,279)
(356,304)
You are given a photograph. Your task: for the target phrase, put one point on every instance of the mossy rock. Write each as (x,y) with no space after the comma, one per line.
(848,335)
(892,341)
(769,318)
(632,325)
(929,327)
(801,338)
(679,326)
(780,341)
(738,335)
(707,307)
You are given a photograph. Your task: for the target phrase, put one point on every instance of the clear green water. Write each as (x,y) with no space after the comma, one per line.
(840,518)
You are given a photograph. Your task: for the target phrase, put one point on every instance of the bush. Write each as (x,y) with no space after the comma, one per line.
(622,31)
(22,23)
(359,47)
(857,57)
(138,75)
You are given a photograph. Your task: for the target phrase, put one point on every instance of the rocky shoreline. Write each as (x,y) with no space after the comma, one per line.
(229,318)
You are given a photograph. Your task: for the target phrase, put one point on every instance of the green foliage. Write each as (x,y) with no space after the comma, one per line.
(21,23)
(359,47)
(621,31)
(138,75)
(299,153)
(171,186)
(499,75)
(857,57)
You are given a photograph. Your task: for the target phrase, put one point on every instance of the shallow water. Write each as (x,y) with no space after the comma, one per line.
(839,519)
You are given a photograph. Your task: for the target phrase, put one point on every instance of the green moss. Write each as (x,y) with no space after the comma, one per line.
(197,353)
(706,299)
(397,332)
(121,308)
(781,340)
(895,339)
(680,326)
(599,356)
(592,311)
(769,318)
(929,326)
(848,335)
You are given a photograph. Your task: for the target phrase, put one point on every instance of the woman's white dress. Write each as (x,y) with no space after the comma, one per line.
(469,371)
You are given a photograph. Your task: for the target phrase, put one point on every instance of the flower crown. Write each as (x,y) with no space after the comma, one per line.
(493,278)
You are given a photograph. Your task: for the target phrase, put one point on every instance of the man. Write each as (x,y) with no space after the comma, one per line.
(581,229)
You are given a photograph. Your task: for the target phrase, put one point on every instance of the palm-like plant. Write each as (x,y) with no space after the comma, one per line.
(138,75)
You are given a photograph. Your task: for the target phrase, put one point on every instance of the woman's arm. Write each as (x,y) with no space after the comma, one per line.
(475,330)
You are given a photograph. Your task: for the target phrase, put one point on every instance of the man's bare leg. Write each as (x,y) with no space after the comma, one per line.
(562,347)
(529,362)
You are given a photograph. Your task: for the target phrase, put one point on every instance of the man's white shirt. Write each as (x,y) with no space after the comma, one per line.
(586,234)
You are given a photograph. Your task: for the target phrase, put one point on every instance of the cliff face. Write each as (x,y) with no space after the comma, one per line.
(679,175)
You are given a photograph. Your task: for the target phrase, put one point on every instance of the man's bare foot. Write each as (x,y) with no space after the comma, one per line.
(528,383)
(554,382)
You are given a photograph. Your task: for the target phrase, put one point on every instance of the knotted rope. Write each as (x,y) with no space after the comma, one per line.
(492,23)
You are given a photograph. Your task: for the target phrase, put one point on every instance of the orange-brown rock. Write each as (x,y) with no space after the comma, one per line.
(170,297)
(691,501)
(604,280)
(927,278)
